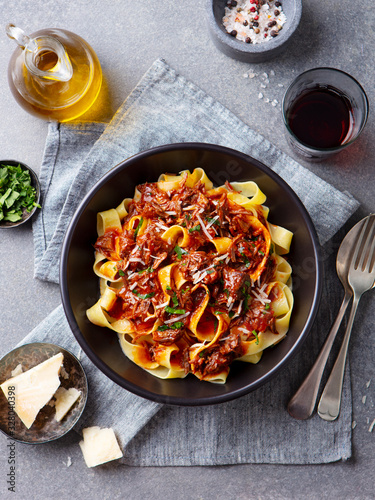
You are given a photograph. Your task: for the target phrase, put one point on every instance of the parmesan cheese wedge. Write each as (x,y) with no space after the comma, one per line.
(99,446)
(34,388)
(65,399)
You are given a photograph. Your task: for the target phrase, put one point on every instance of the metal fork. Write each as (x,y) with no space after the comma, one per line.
(361,278)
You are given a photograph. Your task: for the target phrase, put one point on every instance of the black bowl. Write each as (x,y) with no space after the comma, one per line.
(80,287)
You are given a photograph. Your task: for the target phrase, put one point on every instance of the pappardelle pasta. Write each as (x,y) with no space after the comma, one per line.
(192,276)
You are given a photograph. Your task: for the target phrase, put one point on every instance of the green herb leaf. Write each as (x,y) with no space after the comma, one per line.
(143,296)
(173,326)
(138,227)
(179,251)
(173,310)
(195,228)
(121,272)
(254,332)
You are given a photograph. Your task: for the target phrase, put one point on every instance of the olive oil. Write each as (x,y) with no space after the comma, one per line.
(39,89)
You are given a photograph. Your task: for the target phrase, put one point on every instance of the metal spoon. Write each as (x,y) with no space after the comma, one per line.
(302,404)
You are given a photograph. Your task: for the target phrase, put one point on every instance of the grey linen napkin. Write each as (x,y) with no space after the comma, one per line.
(167,108)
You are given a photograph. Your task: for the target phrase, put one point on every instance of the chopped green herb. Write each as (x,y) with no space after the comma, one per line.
(219,312)
(16,193)
(121,272)
(260,252)
(173,310)
(173,326)
(195,228)
(138,227)
(179,251)
(201,354)
(226,291)
(210,271)
(143,296)
(256,336)
(168,287)
(174,299)
(231,314)
(266,307)
(213,220)
(148,270)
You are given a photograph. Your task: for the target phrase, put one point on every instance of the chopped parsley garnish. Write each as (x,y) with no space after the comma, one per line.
(173,326)
(16,193)
(121,272)
(260,252)
(174,299)
(173,310)
(148,270)
(143,296)
(195,228)
(138,227)
(231,314)
(179,251)
(256,336)
(213,220)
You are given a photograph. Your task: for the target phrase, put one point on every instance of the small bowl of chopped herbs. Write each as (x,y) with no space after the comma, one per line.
(19,193)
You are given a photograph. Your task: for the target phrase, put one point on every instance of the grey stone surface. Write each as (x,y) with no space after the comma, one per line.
(128,37)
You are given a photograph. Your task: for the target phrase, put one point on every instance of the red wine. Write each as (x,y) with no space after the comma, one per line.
(321,118)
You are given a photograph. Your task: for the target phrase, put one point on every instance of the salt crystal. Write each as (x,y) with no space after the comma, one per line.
(245,75)
(266,99)
(354,424)
(265,75)
(272,73)
(364,399)
(260,95)
(252,75)
(262,86)
(69,462)
(280,85)
(372,425)
(368,383)
(275,102)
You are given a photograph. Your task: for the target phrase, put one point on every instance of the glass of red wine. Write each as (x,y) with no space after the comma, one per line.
(324,110)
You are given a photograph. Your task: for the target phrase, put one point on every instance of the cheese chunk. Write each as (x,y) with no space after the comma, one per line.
(99,446)
(65,399)
(34,388)
(18,369)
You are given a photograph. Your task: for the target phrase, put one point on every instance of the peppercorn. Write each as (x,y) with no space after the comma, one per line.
(232,3)
(277,12)
(277,4)
(274,33)
(257,30)
(272,23)
(233,33)
(248,39)
(245,23)
(252,9)
(255,23)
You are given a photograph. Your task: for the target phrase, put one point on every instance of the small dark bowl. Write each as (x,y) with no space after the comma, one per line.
(252,53)
(80,287)
(34,182)
(45,428)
